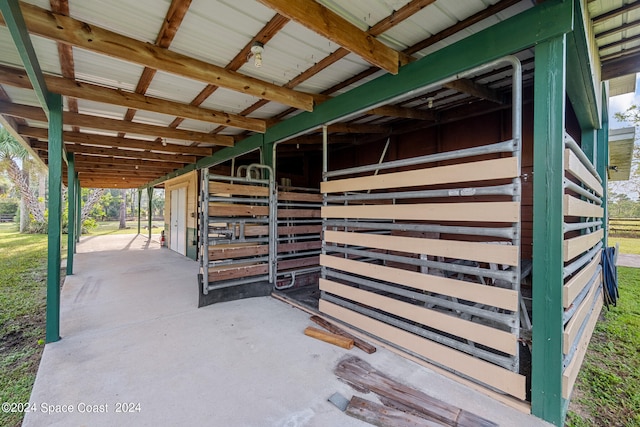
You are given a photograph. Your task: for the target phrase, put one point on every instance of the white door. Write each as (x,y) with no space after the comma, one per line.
(178,235)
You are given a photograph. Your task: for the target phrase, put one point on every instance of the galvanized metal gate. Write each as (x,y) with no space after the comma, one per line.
(425,255)
(237,219)
(254,238)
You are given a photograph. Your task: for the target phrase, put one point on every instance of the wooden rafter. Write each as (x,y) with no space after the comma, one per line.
(96,39)
(116,152)
(264,35)
(358,128)
(332,26)
(115,141)
(65,53)
(117,162)
(67,87)
(177,10)
(104,123)
(615,12)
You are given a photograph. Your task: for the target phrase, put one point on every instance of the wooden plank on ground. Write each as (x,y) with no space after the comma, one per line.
(571,372)
(574,166)
(361,344)
(491,337)
(476,251)
(576,207)
(578,245)
(237,189)
(464,172)
(573,326)
(485,372)
(227,272)
(298,213)
(329,337)
(356,371)
(577,283)
(290,196)
(479,211)
(489,295)
(218,252)
(237,210)
(383,416)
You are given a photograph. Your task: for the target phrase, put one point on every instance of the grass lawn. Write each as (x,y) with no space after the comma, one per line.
(607,392)
(628,245)
(112,227)
(23,268)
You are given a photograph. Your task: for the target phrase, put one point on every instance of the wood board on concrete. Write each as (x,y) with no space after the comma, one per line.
(361,344)
(363,376)
(329,337)
(382,416)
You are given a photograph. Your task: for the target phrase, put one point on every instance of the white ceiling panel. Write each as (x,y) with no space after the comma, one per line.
(101,109)
(174,87)
(106,71)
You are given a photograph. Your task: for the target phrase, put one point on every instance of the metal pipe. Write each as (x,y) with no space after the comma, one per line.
(498,190)
(499,147)
(570,143)
(575,187)
(582,261)
(504,361)
(575,304)
(574,346)
(580,226)
(506,233)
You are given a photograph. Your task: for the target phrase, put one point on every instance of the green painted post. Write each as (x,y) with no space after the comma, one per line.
(79,211)
(602,166)
(150,196)
(548,154)
(55,217)
(71,209)
(139,207)
(589,143)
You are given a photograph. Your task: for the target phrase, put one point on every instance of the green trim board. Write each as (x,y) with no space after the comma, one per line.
(192,243)
(548,174)
(542,22)
(582,80)
(18,28)
(602,161)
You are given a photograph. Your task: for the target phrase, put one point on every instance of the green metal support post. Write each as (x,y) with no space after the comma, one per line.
(150,196)
(589,143)
(79,210)
(71,220)
(55,217)
(139,207)
(602,166)
(548,159)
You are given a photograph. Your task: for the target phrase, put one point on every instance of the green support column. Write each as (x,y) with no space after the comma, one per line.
(150,195)
(548,153)
(71,216)
(602,164)
(589,144)
(79,211)
(55,217)
(139,207)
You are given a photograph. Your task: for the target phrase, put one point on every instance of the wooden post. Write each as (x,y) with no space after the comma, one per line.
(334,339)
(548,174)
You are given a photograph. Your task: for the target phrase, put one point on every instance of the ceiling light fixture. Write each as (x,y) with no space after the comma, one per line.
(257,50)
(164,142)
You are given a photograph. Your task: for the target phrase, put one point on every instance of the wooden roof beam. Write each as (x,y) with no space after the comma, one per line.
(358,128)
(84,166)
(104,123)
(116,162)
(116,152)
(615,12)
(332,26)
(116,142)
(177,10)
(66,87)
(67,30)
(474,89)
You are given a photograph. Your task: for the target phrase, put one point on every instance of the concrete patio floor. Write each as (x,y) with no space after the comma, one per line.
(131,333)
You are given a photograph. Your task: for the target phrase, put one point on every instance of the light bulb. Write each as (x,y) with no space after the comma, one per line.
(258,60)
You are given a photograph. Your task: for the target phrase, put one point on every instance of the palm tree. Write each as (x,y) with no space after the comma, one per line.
(10,152)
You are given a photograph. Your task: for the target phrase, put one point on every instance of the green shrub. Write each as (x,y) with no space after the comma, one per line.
(8,206)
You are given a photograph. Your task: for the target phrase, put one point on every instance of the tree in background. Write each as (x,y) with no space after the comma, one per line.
(123,211)
(632,186)
(12,152)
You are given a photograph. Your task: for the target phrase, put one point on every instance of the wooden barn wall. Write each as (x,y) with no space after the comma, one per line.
(479,130)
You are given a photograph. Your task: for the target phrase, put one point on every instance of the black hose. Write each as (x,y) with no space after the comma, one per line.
(610,279)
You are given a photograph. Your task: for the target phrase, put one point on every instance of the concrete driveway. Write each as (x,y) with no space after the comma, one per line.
(135,351)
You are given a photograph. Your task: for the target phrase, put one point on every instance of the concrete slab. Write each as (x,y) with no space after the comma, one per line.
(134,340)
(628,260)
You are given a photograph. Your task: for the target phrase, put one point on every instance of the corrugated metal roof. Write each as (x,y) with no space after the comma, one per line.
(215,31)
